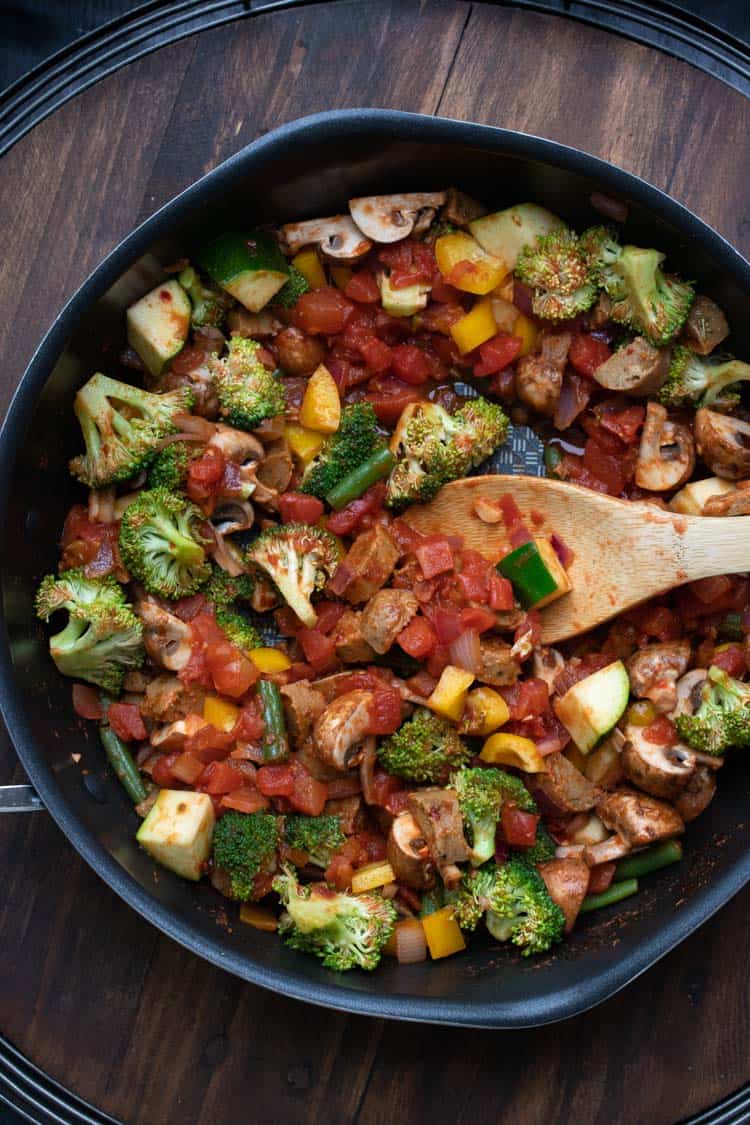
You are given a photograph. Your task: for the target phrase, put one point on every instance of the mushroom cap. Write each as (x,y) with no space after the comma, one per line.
(337,236)
(340,731)
(723,443)
(389,218)
(166,638)
(408,854)
(666,457)
(236,445)
(662,771)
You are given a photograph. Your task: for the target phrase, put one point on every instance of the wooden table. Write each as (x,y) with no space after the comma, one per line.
(88,990)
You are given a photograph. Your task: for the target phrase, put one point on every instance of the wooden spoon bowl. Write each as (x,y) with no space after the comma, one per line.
(624,552)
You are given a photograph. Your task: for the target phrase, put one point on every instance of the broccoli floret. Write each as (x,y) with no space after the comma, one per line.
(600,249)
(438,229)
(481,795)
(353,442)
(723,719)
(425,748)
(299,560)
(244,847)
(162,545)
(515,902)
(169,468)
(103,637)
(247,391)
(288,296)
(644,298)
(318,836)
(558,271)
(542,849)
(238,629)
(224,589)
(209,303)
(122,427)
(433,447)
(694,381)
(345,931)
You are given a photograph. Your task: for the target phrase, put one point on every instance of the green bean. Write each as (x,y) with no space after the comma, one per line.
(122,763)
(730,628)
(660,855)
(275,742)
(377,465)
(613,893)
(553,455)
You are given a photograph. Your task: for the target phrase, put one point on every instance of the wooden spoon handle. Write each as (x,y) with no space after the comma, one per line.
(710,546)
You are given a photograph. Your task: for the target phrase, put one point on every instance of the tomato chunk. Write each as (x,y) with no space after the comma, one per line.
(418,638)
(322,312)
(125,720)
(497,353)
(296,507)
(275,781)
(231,671)
(587,353)
(411,364)
(519,827)
(362,287)
(661,732)
(319,650)
(385,712)
(435,557)
(219,778)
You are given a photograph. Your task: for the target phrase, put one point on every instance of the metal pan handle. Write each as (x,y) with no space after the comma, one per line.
(19,798)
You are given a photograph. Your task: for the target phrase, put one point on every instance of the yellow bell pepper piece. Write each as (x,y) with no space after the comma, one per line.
(373,875)
(219,713)
(260,917)
(513,750)
(528,332)
(321,406)
(443,933)
(489,708)
(341,275)
(476,327)
(449,696)
(269,660)
(305,444)
(308,264)
(465,265)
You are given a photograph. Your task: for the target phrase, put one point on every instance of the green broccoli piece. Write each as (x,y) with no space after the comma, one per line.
(351,445)
(543,849)
(600,249)
(556,268)
(644,298)
(238,629)
(425,749)
(345,931)
(210,303)
(438,229)
(515,903)
(723,719)
(225,589)
(247,391)
(318,836)
(290,293)
(162,545)
(694,381)
(122,427)
(169,468)
(433,447)
(244,846)
(481,795)
(299,560)
(103,637)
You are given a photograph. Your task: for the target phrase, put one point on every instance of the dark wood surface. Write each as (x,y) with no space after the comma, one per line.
(89,991)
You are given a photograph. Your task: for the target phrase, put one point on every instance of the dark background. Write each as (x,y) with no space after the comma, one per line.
(31,30)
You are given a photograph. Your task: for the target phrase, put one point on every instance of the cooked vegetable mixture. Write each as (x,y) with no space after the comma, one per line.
(409,764)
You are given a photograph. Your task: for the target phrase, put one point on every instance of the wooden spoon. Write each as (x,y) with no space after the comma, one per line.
(624,552)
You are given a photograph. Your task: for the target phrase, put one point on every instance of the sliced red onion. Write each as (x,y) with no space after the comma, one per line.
(465,651)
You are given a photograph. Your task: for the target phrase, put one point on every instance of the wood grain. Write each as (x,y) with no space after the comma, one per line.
(90,991)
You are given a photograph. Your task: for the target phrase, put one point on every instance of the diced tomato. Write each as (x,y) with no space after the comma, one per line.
(389,397)
(126,721)
(196,670)
(710,590)
(275,781)
(231,671)
(406,538)
(376,354)
(205,474)
(187,768)
(245,800)
(322,312)
(328,615)
(572,468)
(613,469)
(296,507)
(319,650)
(443,292)
(410,364)
(526,699)
(447,625)
(435,556)
(78,526)
(497,353)
(519,827)
(249,726)
(385,712)
(654,621)
(410,262)
(422,683)
(369,503)
(625,424)
(661,732)
(474,576)
(161,771)
(518,533)
(384,785)
(731,659)
(362,287)
(308,795)
(209,743)
(587,353)
(205,628)
(219,778)
(478,619)
(418,639)
(600,877)
(500,592)
(86,702)
(439,659)
(188,608)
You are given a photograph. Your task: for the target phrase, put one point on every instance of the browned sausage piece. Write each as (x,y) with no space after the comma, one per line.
(655,670)
(705,327)
(350,812)
(539,377)
(638,368)
(638,819)
(565,785)
(498,666)
(302,706)
(370,561)
(385,615)
(351,646)
(439,818)
(167,699)
(567,882)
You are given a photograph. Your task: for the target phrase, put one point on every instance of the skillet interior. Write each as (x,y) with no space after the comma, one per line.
(308,168)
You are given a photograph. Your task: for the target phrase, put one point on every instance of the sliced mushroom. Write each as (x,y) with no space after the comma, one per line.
(461,209)
(662,771)
(166,638)
(732,503)
(230,516)
(337,236)
(228,556)
(638,368)
(689,689)
(723,443)
(408,853)
(236,445)
(654,671)
(638,819)
(340,732)
(606,852)
(275,472)
(666,457)
(697,794)
(388,218)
